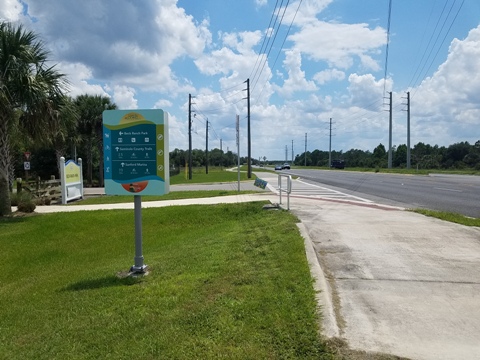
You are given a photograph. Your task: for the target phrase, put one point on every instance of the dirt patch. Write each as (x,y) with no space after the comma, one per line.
(342,351)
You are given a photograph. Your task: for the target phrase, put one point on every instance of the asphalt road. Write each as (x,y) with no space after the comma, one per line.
(454,193)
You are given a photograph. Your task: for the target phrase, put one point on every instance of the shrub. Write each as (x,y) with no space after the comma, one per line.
(24,202)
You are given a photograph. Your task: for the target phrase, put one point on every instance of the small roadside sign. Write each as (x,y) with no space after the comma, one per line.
(26,165)
(27,154)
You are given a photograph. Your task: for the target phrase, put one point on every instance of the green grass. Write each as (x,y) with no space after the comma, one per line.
(174,195)
(452,217)
(214,175)
(227,281)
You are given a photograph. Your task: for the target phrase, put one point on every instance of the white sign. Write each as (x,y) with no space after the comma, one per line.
(26,165)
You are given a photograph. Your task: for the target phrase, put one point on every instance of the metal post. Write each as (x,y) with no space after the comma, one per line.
(408,130)
(139,266)
(238,151)
(206,150)
(390,134)
(249,160)
(63,180)
(190,137)
(80,163)
(305,153)
(330,146)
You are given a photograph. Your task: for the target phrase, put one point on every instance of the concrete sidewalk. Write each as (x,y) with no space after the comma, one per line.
(392,281)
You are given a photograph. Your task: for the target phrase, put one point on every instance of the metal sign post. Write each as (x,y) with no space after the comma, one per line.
(139,266)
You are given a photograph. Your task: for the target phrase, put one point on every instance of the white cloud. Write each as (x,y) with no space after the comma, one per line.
(162,104)
(339,44)
(364,90)
(296,77)
(328,75)
(261,3)
(79,76)
(124,97)
(11,10)
(137,50)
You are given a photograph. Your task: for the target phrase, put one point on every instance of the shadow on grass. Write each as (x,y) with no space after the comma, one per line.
(104,282)
(5,220)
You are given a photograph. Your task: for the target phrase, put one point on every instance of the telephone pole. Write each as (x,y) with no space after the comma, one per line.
(292,152)
(408,130)
(249,155)
(330,146)
(190,136)
(390,133)
(305,153)
(206,151)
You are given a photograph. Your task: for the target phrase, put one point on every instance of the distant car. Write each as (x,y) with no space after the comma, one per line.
(286,166)
(338,164)
(279,167)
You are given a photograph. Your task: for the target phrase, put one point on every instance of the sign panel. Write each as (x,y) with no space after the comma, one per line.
(26,165)
(135,149)
(72,172)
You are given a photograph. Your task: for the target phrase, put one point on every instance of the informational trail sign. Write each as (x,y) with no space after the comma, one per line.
(135,148)
(136,162)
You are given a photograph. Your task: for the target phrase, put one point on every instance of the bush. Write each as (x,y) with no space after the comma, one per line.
(24,202)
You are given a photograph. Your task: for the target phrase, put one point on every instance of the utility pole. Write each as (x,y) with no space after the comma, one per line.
(330,146)
(292,152)
(408,130)
(206,151)
(305,153)
(238,151)
(249,156)
(286,153)
(190,136)
(390,134)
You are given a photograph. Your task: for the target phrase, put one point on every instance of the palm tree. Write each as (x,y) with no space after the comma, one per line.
(90,111)
(29,85)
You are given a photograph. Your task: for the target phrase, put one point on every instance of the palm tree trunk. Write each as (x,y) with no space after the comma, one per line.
(5,203)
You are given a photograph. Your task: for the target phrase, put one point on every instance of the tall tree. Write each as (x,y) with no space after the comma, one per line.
(26,84)
(90,110)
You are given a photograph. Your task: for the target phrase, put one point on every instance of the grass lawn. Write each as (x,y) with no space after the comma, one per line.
(215,174)
(174,195)
(226,281)
(452,217)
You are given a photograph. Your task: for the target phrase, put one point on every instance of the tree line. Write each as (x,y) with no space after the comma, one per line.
(462,155)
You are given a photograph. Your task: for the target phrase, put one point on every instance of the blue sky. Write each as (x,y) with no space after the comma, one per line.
(326,59)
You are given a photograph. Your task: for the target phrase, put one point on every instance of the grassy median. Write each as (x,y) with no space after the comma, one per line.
(226,281)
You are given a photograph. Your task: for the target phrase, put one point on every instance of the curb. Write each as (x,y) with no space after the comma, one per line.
(323,292)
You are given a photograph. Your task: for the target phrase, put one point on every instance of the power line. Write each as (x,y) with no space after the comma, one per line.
(387,47)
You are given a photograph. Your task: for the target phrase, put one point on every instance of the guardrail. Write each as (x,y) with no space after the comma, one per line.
(286,190)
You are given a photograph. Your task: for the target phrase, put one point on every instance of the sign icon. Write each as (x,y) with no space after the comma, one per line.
(159,136)
(26,165)
(133,140)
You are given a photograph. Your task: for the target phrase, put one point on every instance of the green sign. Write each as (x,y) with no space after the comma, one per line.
(135,149)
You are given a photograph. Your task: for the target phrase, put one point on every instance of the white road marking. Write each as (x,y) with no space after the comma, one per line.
(445,189)
(323,192)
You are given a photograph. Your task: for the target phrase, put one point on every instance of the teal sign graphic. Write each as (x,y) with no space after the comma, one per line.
(135,150)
